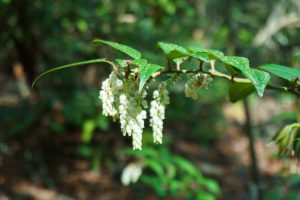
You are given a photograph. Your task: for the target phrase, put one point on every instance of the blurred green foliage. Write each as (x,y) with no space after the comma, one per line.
(41,34)
(170,174)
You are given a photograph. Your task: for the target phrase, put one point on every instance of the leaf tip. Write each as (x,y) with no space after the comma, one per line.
(95,41)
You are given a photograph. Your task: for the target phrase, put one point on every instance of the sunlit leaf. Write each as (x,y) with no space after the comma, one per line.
(212,54)
(173,50)
(258,78)
(121,47)
(201,56)
(240,63)
(146,72)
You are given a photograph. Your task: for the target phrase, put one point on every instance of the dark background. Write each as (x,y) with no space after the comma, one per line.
(56,144)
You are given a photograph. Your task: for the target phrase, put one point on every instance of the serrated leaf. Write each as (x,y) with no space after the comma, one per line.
(121,47)
(201,56)
(141,63)
(212,54)
(281,71)
(240,63)
(99,60)
(238,91)
(173,50)
(258,78)
(146,72)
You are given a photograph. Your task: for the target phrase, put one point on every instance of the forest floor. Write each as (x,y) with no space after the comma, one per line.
(46,167)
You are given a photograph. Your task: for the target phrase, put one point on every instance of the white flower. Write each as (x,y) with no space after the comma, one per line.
(131,112)
(157,112)
(109,90)
(196,82)
(131,173)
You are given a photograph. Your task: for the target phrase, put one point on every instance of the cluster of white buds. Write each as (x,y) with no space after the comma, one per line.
(132,115)
(196,82)
(110,88)
(157,112)
(121,100)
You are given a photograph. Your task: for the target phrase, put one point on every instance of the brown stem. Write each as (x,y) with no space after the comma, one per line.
(214,73)
(255,176)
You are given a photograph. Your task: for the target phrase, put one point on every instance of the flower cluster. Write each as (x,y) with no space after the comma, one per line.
(196,82)
(132,115)
(121,100)
(110,88)
(157,112)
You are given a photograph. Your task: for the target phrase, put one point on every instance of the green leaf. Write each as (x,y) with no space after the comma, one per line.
(287,139)
(258,78)
(281,71)
(141,63)
(201,56)
(232,71)
(212,54)
(99,60)
(240,63)
(146,72)
(186,166)
(155,166)
(122,63)
(212,186)
(88,128)
(205,196)
(238,91)
(173,50)
(121,47)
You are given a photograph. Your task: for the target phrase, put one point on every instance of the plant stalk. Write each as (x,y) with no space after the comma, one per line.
(254,171)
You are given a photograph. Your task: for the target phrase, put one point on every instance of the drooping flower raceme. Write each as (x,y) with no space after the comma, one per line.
(121,100)
(196,82)
(109,90)
(132,115)
(157,112)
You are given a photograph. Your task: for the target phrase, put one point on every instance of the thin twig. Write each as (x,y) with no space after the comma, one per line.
(214,73)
